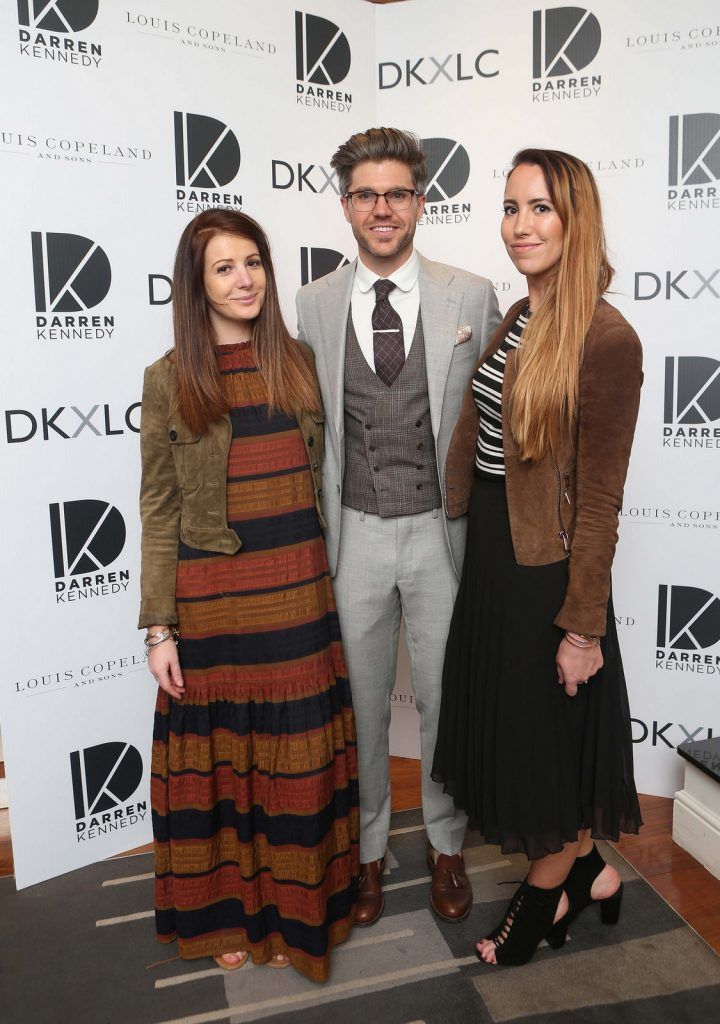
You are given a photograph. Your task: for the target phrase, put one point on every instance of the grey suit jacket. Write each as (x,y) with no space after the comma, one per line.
(450,299)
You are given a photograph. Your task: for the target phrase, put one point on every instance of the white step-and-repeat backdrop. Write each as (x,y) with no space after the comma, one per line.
(121,121)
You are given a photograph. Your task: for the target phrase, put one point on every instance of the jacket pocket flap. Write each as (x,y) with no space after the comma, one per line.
(178,433)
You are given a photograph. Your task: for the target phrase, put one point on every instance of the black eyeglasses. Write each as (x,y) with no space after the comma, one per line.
(397,199)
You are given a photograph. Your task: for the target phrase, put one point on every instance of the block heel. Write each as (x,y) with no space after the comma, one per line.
(610,907)
(555,938)
(578,886)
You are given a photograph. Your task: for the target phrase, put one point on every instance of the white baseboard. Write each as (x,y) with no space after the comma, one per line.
(3,793)
(696,818)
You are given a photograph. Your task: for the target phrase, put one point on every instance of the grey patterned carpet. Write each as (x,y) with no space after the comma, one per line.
(81,950)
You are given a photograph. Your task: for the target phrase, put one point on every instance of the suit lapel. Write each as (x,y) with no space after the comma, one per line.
(439,310)
(333,305)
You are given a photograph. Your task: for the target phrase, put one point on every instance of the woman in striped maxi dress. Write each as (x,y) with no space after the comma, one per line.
(254,778)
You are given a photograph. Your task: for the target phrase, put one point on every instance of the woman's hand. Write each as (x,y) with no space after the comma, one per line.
(164,664)
(576,666)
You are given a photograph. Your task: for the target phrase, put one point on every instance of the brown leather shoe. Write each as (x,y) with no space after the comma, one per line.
(450,892)
(370,899)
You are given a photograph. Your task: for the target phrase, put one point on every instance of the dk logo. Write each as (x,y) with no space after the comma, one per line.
(86,536)
(448,167)
(57,15)
(694,149)
(104,776)
(322,52)
(565,40)
(692,390)
(688,618)
(316,263)
(207,153)
(71,273)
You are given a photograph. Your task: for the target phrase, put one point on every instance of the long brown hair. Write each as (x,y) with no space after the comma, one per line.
(284,364)
(545,397)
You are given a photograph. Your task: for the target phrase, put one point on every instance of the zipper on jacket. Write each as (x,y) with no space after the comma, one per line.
(562,532)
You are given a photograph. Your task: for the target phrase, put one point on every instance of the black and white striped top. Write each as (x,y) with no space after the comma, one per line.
(487,392)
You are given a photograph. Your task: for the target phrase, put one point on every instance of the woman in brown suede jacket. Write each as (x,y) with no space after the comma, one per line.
(534,740)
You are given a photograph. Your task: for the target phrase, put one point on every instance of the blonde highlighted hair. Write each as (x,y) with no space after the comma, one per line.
(545,398)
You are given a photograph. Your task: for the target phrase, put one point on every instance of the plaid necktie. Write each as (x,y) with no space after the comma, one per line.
(388,343)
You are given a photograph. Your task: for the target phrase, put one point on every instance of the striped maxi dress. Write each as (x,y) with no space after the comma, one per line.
(254,777)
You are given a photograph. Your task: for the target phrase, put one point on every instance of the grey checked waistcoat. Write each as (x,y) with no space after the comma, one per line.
(390,464)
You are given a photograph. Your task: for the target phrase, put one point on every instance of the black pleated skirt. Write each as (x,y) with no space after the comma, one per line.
(529,765)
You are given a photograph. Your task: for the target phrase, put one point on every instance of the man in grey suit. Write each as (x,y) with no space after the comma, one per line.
(396,338)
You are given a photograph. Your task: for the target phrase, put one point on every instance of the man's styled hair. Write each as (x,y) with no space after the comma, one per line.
(380,144)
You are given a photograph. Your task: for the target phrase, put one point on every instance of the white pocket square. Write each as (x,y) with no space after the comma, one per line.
(463,334)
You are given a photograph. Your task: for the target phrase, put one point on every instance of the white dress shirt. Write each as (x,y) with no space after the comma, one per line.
(404,298)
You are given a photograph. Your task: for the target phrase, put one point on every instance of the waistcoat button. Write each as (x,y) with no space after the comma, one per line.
(173,435)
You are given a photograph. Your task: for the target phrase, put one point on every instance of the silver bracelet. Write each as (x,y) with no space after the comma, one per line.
(155,639)
(581,641)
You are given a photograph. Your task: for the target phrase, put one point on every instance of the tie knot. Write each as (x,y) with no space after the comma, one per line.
(382,289)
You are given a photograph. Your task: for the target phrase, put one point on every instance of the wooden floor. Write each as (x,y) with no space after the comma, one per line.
(691,890)
(6,861)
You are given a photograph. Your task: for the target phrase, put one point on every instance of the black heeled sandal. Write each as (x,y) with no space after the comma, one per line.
(579,883)
(527,921)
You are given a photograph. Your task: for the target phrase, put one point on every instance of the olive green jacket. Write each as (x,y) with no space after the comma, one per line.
(183,488)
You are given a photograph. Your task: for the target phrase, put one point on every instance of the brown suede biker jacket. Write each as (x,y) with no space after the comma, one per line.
(183,488)
(567,504)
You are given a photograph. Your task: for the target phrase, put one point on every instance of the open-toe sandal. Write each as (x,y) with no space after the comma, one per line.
(241,955)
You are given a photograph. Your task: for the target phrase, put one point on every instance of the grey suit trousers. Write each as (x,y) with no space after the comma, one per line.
(389,567)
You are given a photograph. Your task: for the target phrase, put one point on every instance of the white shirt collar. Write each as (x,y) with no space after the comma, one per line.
(404,277)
